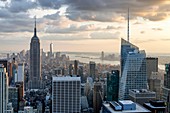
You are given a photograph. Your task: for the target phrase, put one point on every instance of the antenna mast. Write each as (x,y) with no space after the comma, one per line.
(128,26)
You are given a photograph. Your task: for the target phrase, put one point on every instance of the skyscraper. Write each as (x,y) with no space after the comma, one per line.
(151,66)
(97,97)
(3,89)
(51,49)
(76,67)
(20,72)
(13,97)
(166,87)
(92,66)
(35,67)
(113,85)
(133,69)
(66,95)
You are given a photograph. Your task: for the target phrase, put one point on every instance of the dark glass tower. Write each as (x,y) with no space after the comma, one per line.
(35,67)
(113,85)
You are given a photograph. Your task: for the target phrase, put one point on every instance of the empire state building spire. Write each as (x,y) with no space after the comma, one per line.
(35,30)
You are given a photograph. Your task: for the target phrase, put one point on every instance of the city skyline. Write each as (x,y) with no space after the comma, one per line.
(81,26)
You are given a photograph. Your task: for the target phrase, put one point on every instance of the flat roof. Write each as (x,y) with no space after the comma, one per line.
(67,78)
(142,91)
(126,102)
(139,109)
(160,107)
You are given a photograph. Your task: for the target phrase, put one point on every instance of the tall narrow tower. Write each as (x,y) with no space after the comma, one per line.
(51,49)
(3,89)
(35,67)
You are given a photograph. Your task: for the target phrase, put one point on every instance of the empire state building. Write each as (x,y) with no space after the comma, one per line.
(35,64)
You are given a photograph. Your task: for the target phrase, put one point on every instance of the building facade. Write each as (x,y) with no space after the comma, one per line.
(92,68)
(97,97)
(3,89)
(76,62)
(113,85)
(20,72)
(66,95)
(151,66)
(133,70)
(13,97)
(141,96)
(166,88)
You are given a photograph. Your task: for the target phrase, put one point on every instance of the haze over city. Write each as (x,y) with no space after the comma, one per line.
(84,56)
(85,25)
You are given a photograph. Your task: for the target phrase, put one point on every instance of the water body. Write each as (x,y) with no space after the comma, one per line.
(86,57)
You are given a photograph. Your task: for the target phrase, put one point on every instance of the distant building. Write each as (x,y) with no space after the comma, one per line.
(88,91)
(76,67)
(141,96)
(97,97)
(125,106)
(66,95)
(113,85)
(28,109)
(14,72)
(84,104)
(81,74)
(3,89)
(14,97)
(102,55)
(51,50)
(9,108)
(92,68)
(151,66)
(5,63)
(35,62)
(20,72)
(20,86)
(70,69)
(156,106)
(154,83)
(133,69)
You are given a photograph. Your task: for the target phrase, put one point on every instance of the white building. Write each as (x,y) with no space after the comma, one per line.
(3,89)
(9,108)
(66,95)
(20,77)
(28,109)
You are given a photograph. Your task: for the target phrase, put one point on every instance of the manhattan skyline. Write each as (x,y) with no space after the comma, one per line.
(85,25)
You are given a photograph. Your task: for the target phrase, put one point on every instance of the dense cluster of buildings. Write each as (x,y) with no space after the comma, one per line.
(39,82)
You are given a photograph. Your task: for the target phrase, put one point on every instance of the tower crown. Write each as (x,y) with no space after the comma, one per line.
(35,31)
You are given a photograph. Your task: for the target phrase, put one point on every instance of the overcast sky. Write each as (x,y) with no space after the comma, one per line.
(85,25)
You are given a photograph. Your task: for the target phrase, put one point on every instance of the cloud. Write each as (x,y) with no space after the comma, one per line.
(55,16)
(73,28)
(105,35)
(115,10)
(4,13)
(62,37)
(82,36)
(156,17)
(113,27)
(157,29)
(142,32)
(50,4)
(145,41)
(16,6)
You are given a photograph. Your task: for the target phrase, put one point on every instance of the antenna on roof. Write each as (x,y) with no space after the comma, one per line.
(128,26)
